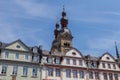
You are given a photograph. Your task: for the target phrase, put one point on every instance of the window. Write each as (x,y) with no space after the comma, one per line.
(57,72)
(116,76)
(26,56)
(4,70)
(114,66)
(74,73)
(109,66)
(107,58)
(74,62)
(6,54)
(50,71)
(110,76)
(89,65)
(57,60)
(50,60)
(35,49)
(105,76)
(67,61)
(18,46)
(17,56)
(81,73)
(36,58)
(103,64)
(15,69)
(91,75)
(34,72)
(68,73)
(95,65)
(80,62)
(25,70)
(96,75)
(73,53)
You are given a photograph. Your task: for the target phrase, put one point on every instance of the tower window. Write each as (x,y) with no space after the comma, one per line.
(66,44)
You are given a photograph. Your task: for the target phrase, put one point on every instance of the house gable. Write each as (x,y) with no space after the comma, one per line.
(17,45)
(74,53)
(107,57)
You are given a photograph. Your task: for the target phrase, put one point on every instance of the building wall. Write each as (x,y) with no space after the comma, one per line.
(19,76)
(12,55)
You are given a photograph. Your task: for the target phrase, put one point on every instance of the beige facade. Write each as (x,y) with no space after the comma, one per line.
(18,62)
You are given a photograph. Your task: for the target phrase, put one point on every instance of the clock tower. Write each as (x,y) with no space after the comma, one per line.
(63,37)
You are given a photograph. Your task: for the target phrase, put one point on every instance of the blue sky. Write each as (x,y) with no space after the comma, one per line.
(95,24)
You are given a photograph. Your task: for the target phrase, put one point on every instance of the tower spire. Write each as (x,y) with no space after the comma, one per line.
(117,52)
(64,20)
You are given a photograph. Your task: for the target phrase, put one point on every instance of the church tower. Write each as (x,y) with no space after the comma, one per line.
(63,37)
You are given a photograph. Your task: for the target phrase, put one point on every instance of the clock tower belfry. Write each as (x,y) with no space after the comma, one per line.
(63,37)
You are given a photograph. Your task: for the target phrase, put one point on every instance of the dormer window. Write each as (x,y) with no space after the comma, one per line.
(57,60)
(35,49)
(50,60)
(18,46)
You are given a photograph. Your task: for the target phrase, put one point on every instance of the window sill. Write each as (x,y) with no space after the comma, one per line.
(24,76)
(13,75)
(2,74)
(34,77)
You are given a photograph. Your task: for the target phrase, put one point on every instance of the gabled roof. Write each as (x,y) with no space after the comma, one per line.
(107,54)
(4,45)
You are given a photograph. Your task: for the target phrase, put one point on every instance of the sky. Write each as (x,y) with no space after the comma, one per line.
(95,24)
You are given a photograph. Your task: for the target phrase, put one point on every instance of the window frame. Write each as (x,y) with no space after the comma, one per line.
(25,70)
(6,54)
(57,72)
(50,71)
(35,71)
(68,73)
